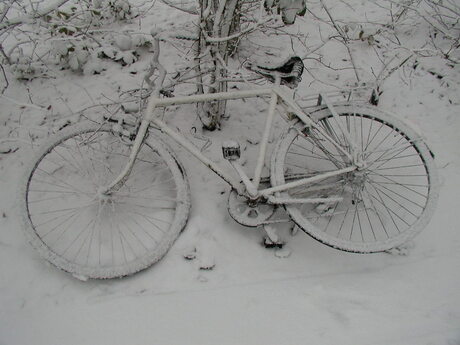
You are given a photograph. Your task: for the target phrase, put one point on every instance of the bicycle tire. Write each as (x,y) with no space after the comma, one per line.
(74,228)
(384,205)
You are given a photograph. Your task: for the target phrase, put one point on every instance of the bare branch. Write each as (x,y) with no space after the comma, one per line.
(6,79)
(345,39)
(155,65)
(28,105)
(238,34)
(186,10)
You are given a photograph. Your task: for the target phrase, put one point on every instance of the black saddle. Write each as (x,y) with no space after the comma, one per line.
(290,71)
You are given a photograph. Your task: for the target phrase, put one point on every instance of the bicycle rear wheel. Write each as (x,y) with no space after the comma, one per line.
(380,206)
(81,231)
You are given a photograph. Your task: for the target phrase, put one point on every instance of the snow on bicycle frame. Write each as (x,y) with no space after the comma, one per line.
(276,94)
(350,175)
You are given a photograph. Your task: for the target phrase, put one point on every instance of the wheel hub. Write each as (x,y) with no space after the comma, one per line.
(356,181)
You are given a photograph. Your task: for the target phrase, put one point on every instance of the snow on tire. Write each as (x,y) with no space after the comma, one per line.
(381,205)
(91,235)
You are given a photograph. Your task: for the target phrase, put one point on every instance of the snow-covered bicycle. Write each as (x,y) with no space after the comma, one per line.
(104,201)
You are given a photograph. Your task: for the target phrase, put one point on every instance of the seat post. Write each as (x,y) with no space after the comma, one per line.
(266,134)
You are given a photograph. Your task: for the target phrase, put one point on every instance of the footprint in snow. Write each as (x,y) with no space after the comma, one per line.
(202,248)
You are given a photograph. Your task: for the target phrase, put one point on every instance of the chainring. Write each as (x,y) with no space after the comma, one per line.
(248,215)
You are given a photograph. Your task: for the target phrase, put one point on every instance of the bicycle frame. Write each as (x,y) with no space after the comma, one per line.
(251,187)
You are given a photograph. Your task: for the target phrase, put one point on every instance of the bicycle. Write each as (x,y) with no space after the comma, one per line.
(105,202)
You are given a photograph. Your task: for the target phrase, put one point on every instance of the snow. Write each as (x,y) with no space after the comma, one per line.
(306,294)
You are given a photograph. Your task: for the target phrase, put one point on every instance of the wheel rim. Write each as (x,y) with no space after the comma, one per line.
(96,235)
(383,203)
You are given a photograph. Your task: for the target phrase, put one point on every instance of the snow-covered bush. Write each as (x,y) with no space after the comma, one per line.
(67,33)
(26,69)
(124,48)
(120,9)
(289,9)
(440,19)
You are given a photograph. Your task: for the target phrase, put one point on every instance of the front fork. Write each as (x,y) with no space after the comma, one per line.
(138,141)
(121,179)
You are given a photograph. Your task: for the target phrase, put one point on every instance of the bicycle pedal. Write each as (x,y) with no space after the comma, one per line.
(231,150)
(269,244)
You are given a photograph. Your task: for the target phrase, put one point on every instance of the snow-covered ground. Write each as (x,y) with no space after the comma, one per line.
(316,295)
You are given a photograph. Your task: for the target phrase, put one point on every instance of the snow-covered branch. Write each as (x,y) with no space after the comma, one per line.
(34,15)
(192,11)
(249,29)
(155,65)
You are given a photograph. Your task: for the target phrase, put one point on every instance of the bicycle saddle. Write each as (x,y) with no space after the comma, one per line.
(289,71)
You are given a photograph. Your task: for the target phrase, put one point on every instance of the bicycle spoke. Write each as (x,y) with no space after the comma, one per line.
(388,209)
(56,191)
(381,202)
(376,210)
(145,230)
(424,186)
(405,186)
(374,136)
(147,207)
(91,236)
(398,203)
(335,209)
(370,222)
(310,156)
(386,160)
(67,186)
(64,188)
(83,243)
(312,153)
(73,213)
(78,236)
(151,217)
(104,235)
(122,237)
(135,236)
(398,194)
(64,231)
(61,210)
(343,221)
(83,159)
(402,167)
(45,199)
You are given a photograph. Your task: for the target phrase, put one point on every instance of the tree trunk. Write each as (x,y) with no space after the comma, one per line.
(218,19)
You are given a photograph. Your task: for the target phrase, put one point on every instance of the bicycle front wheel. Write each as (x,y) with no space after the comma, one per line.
(377,207)
(91,235)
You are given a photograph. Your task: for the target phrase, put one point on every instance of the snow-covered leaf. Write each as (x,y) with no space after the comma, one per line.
(290,9)
(94,66)
(67,30)
(140,41)
(73,63)
(82,56)
(123,42)
(127,58)
(109,52)
(60,48)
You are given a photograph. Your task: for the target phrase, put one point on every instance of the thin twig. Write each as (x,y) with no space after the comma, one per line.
(28,105)
(6,79)
(186,10)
